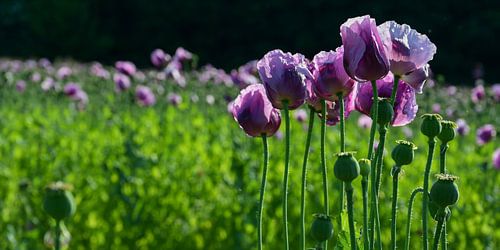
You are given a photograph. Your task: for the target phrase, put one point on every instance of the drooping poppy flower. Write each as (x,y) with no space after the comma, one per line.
(254,112)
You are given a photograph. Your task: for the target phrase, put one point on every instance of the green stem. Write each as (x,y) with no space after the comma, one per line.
(425,200)
(408,220)
(262,189)
(364,186)
(285,174)
(437,233)
(350,214)
(342,146)
(442,158)
(374,115)
(444,243)
(394,89)
(57,240)
(395,178)
(379,160)
(304,174)
(323,161)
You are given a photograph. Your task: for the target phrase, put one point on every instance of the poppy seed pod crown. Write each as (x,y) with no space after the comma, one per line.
(444,191)
(447,132)
(58,201)
(431,125)
(403,153)
(346,167)
(322,227)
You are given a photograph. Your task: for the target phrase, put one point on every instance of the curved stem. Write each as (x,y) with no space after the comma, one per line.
(437,234)
(394,89)
(408,220)
(57,243)
(304,175)
(364,186)
(350,214)
(374,115)
(285,173)
(442,158)
(395,178)
(323,162)
(425,200)
(262,189)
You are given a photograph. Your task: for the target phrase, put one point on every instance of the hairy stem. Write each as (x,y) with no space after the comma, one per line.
(285,174)
(408,220)
(304,177)
(262,189)
(395,179)
(364,186)
(425,200)
(374,115)
(437,233)
(350,214)
(323,161)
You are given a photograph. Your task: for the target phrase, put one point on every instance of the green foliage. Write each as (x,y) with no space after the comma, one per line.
(187,177)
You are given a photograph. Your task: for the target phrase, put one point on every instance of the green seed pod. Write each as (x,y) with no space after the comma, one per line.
(346,167)
(403,153)
(437,213)
(431,125)
(448,131)
(364,167)
(58,201)
(444,191)
(322,227)
(385,112)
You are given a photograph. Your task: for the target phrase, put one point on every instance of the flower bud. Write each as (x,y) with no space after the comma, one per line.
(364,167)
(385,112)
(346,167)
(431,125)
(447,132)
(322,227)
(444,191)
(403,154)
(58,201)
(438,213)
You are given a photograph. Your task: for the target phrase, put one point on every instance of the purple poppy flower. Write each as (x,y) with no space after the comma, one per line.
(122,82)
(436,108)
(144,96)
(451,90)
(21,86)
(47,84)
(283,75)
(174,99)
(478,93)
(365,58)
(496,91)
(364,121)
(36,77)
(485,134)
(407,49)
(98,70)
(405,105)
(125,67)
(159,58)
(496,159)
(333,109)
(242,78)
(71,89)
(64,72)
(300,115)
(417,78)
(182,55)
(329,75)
(312,99)
(249,67)
(254,112)
(462,127)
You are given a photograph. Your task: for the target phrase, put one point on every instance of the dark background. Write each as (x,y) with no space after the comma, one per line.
(228,33)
